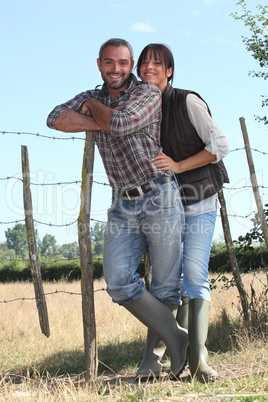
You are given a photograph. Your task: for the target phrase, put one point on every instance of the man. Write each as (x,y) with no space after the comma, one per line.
(146,208)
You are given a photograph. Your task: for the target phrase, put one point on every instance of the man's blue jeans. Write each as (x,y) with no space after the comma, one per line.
(156,219)
(196,252)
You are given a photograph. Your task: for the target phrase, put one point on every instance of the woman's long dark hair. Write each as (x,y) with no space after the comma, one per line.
(161,52)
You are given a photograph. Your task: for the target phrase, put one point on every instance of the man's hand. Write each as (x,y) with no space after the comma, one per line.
(85,108)
(70,121)
(93,116)
(101,113)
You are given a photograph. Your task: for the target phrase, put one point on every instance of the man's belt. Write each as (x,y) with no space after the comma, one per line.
(145,188)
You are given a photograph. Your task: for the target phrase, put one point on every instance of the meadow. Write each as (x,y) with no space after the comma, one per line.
(36,368)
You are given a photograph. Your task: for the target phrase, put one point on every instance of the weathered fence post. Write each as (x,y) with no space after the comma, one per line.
(86,265)
(32,246)
(253,180)
(233,261)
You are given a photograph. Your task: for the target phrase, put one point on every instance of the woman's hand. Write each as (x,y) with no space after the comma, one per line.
(202,158)
(164,162)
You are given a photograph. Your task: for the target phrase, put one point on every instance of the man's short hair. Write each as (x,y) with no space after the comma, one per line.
(116,42)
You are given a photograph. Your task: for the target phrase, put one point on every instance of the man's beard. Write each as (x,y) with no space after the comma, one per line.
(116,85)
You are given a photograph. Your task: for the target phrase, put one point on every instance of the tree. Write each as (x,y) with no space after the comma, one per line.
(48,246)
(17,240)
(6,254)
(257,44)
(97,238)
(70,250)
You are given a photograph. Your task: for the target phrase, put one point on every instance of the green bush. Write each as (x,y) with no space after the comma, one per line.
(15,270)
(252,258)
(9,274)
(219,262)
(247,259)
(67,270)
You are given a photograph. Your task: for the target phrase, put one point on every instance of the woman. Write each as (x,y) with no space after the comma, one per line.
(193,146)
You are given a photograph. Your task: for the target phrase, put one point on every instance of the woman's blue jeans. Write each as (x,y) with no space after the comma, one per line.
(197,241)
(156,219)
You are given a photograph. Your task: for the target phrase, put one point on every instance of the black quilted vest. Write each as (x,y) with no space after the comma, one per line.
(180,140)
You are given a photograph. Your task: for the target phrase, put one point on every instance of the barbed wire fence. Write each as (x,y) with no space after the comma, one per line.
(234,188)
(78,182)
(89,367)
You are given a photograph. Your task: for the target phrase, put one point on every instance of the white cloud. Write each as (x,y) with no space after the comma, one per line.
(142,27)
(196,13)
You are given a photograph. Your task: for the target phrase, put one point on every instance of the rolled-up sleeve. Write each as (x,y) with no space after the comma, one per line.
(142,109)
(73,104)
(207,129)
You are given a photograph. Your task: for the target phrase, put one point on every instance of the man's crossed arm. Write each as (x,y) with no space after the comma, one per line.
(70,121)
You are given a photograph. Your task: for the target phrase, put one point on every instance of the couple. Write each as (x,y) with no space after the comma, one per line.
(162,154)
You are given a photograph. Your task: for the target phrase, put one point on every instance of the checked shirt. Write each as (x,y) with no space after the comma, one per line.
(128,149)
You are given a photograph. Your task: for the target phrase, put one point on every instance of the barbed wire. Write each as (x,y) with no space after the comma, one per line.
(252,149)
(227,285)
(83,139)
(49,224)
(52,184)
(47,294)
(12,222)
(42,135)
(107,184)
(66,224)
(242,216)
(242,187)
(100,221)
(56,225)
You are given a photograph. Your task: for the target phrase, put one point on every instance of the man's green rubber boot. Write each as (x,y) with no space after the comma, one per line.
(160,320)
(155,349)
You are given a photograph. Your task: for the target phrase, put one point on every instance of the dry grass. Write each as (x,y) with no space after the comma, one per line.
(34,367)
(221,297)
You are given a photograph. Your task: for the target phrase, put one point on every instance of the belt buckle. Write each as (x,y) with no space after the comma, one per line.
(139,191)
(126,191)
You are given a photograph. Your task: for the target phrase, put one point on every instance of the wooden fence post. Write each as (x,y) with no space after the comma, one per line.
(233,261)
(253,180)
(32,246)
(86,265)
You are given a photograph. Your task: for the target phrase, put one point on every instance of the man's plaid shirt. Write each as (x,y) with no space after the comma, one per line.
(134,139)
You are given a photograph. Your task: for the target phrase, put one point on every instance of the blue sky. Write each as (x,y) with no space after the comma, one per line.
(48,55)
